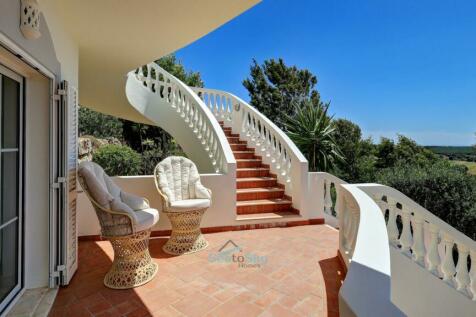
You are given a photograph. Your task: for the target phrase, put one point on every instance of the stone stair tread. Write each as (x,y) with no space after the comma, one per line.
(268,215)
(260,189)
(256,179)
(277,201)
(248,160)
(252,168)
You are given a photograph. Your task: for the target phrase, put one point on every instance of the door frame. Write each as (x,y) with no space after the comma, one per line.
(4,71)
(23,62)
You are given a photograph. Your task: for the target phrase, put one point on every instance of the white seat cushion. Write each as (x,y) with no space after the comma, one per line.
(189,204)
(145,218)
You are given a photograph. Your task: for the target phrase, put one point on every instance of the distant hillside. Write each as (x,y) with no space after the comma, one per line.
(461,153)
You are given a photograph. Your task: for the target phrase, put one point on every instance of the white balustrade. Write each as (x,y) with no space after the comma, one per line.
(194,112)
(429,241)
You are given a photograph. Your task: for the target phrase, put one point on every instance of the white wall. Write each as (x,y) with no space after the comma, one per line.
(221,213)
(54,53)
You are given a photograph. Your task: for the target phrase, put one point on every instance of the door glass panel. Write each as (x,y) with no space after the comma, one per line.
(8,259)
(9,186)
(10,110)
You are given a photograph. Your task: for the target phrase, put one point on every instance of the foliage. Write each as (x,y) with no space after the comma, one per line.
(98,125)
(275,87)
(459,153)
(359,157)
(171,64)
(153,155)
(470,165)
(118,160)
(311,129)
(445,189)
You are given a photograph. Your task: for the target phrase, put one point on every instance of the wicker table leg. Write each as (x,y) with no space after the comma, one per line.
(186,236)
(132,265)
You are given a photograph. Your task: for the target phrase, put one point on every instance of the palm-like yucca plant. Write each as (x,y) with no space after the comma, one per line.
(312,130)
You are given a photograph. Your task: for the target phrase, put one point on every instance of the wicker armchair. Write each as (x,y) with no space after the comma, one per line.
(126,221)
(184,201)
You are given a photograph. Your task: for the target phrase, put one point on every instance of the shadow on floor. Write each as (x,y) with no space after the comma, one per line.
(86,293)
(334,276)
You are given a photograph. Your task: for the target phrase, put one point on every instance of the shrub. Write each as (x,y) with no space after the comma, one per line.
(118,160)
(446,190)
(312,130)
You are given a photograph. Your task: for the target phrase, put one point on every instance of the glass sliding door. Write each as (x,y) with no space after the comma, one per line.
(11,99)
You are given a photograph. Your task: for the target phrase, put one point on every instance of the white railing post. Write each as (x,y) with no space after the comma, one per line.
(448,266)
(472,275)
(433,256)
(462,275)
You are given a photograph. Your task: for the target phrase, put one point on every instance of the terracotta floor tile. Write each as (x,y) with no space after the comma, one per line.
(301,277)
(196,305)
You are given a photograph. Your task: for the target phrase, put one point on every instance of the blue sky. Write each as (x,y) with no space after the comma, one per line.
(390,66)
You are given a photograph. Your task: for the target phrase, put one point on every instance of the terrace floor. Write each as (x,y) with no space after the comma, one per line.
(300,276)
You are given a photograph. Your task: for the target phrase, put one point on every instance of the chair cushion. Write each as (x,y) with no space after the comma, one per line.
(189,205)
(177,178)
(145,218)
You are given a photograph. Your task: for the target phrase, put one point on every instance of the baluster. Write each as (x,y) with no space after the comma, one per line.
(229,107)
(188,109)
(283,163)
(472,275)
(288,170)
(327,197)
(181,100)
(433,256)
(200,125)
(223,107)
(392,228)
(448,266)
(406,240)
(193,111)
(196,115)
(462,274)
(418,247)
(337,207)
(274,153)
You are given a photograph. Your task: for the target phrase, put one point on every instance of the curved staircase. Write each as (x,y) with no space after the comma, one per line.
(258,191)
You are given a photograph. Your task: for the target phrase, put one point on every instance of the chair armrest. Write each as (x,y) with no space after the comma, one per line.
(202,192)
(133,201)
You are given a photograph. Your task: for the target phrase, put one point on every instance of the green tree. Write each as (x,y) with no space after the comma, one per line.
(98,125)
(174,66)
(312,130)
(386,153)
(275,87)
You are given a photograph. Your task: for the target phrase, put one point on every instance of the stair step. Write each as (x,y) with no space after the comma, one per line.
(259,193)
(254,182)
(252,172)
(268,215)
(229,133)
(235,140)
(244,154)
(262,206)
(242,163)
(239,147)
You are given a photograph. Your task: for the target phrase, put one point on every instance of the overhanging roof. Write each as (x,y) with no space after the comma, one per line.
(117,36)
